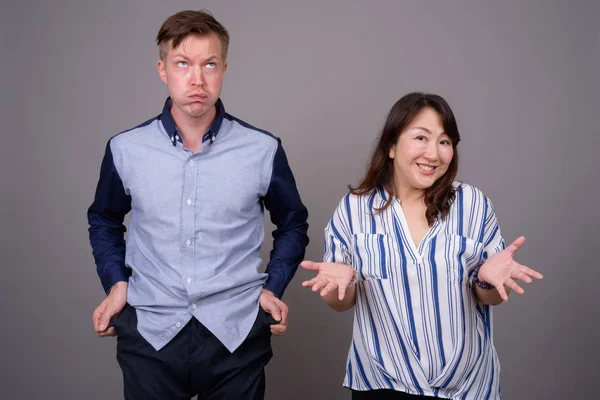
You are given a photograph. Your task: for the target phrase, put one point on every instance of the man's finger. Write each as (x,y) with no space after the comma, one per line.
(283,312)
(277,332)
(275,312)
(104,320)
(109,332)
(284,315)
(278,329)
(97,315)
(96,320)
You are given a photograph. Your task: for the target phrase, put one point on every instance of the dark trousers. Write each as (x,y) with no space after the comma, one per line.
(195,362)
(385,394)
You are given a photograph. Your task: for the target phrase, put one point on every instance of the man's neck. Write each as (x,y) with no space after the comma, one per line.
(193,129)
(193,126)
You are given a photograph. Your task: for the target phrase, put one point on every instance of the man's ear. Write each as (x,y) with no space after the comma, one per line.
(162,72)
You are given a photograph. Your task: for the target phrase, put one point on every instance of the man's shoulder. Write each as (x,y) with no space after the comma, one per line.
(242,127)
(133,135)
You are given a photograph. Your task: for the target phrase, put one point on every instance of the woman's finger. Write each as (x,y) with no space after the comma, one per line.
(520,275)
(328,288)
(502,292)
(531,272)
(310,282)
(514,286)
(319,285)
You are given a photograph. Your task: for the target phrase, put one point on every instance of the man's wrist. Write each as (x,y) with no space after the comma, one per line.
(268,292)
(117,285)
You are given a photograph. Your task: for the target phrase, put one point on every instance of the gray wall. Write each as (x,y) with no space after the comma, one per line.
(520,75)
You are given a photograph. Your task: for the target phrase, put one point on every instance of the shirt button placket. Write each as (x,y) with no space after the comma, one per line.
(188,224)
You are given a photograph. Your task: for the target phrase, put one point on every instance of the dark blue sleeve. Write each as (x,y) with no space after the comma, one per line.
(105,217)
(290,218)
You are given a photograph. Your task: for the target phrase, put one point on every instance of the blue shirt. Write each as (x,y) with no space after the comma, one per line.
(196,225)
(418,327)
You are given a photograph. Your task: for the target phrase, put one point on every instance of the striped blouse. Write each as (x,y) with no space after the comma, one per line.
(418,327)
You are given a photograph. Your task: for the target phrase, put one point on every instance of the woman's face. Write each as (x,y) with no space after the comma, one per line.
(422,153)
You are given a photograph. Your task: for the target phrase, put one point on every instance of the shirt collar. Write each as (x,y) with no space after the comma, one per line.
(167,120)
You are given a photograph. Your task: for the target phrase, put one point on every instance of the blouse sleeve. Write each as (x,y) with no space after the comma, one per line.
(492,239)
(338,236)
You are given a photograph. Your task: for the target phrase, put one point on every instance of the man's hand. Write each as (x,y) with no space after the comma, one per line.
(112,305)
(278,310)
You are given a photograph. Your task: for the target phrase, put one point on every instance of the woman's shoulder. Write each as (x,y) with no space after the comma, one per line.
(372,198)
(469,193)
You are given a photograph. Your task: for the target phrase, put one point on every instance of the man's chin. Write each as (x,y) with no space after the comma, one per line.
(197,111)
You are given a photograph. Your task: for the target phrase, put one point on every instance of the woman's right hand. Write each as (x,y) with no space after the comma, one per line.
(330,276)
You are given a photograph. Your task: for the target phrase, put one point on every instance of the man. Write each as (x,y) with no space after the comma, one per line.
(196,316)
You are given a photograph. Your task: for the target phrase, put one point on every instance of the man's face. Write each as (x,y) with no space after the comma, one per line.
(194,72)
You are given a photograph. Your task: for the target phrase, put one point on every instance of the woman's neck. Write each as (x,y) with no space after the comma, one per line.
(409,195)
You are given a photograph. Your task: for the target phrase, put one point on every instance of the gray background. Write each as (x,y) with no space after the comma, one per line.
(521,77)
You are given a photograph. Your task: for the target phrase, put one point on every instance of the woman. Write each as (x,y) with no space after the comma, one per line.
(421,257)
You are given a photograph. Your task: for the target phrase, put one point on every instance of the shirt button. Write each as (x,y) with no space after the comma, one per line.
(191,163)
(178,325)
(188,242)
(189,280)
(188,201)
(194,306)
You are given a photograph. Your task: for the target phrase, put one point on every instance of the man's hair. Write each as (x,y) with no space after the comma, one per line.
(187,23)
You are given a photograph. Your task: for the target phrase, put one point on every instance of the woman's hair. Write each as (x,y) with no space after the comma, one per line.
(380,173)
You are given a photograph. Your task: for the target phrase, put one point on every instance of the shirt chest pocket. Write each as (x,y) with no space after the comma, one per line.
(372,255)
(462,255)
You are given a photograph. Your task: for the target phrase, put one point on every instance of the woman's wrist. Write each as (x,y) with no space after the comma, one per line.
(479,283)
(354,277)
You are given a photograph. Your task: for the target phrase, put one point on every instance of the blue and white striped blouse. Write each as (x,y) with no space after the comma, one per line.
(418,327)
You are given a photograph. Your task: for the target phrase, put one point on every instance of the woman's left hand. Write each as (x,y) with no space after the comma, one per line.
(501,270)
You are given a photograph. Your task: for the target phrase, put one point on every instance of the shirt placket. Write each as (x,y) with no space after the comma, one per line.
(188,225)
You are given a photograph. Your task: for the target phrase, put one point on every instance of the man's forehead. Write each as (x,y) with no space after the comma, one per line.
(204,43)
